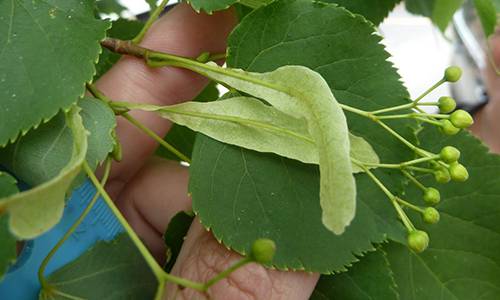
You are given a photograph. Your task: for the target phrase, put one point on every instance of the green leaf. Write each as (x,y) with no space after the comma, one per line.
(99,120)
(369,279)
(251,124)
(109,270)
(40,155)
(487,15)
(122,29)
(242,195)
(174,236)
(210,6)
(7,241)
(347,53)
(182,138)
(47,53)
(462,261)
(440,11)
(374,10)
(110,6)
(34,211)
(152,4)
(299,91)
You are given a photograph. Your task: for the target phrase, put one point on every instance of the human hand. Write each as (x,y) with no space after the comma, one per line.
(150,191)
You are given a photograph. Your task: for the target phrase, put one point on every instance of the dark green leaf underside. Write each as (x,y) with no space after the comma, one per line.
(109,270)
(7,241)
(47,53)
(265,194)
(42,153)
(174,236)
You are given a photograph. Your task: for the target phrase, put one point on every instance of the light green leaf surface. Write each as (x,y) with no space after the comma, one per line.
(210,6)
(487,15)
(47,53)
(369,279)
(182,138)
(36,210)
(109,270)
(7,241)
(110,6)
(40,155)
(374,10)
(251,124)
(301,92)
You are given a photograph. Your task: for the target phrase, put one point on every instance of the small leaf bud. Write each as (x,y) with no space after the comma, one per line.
(430,215)
(458,172)
(448,128)
(452,74)
(432,196)
(442,175)
(446,105)
(418,240)
(449,154)
(263,250)
(461,119)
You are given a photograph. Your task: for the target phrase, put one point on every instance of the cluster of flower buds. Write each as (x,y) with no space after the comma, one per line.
(445,165)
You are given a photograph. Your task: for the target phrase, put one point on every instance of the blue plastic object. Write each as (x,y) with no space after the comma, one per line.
(21,281)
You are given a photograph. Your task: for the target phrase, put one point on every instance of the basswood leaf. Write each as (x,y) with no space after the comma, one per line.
(109,270)
(110,6)
(487,15)
(47,53)
(301,92)
(174,236)
(41,154)
(374,10)
(462,261)
(440,11)
(210,6)
(7,241)
(242,195)
(245,206)
(181,137)
(251,124)
(369,279)
(34,211)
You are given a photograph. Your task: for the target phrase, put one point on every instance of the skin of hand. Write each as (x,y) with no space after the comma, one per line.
(150,191)
(487,120)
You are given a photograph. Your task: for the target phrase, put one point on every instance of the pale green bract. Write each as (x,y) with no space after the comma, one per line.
(301,92)
(36,210)
(251,124)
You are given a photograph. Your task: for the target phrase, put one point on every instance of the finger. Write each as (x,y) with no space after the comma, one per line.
(202,257)
(182,31)
(151,198)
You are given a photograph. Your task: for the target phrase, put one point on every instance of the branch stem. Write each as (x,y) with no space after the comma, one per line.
(90,205)
(152,18)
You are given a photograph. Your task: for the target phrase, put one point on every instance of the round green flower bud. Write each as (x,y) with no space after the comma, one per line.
(442,175)
(452,74)
(430,215)
(461,119)
(432,196)
(418,240)
(446,105)
(448,128)
(458,172)
(449,154)
(263,250)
